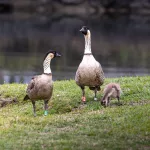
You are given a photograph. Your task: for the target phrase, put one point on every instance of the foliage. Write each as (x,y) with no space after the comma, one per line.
(71,125)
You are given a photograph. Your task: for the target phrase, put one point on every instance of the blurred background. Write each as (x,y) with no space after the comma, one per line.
(120,32)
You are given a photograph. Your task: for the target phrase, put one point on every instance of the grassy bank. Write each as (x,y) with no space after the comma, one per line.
(71,125)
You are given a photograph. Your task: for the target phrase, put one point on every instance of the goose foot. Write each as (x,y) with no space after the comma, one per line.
(95,98)
(45,113)
(83,99)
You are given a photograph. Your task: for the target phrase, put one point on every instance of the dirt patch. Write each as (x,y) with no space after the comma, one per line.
(6,101)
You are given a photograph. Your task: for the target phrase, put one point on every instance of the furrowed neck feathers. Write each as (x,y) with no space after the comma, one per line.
(87,37)
(46,65)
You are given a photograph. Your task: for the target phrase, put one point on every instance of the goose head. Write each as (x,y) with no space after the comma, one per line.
(105,101)
(85,30)
(87,35)
(51,54)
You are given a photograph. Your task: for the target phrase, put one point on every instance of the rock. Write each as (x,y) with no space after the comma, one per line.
(6,101)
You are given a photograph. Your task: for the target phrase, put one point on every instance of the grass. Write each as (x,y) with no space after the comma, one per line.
(71,125)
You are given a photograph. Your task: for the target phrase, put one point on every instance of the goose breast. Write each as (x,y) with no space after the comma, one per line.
(40,87)
(89,72)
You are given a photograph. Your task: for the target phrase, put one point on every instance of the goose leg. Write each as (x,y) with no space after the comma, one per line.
(108,103)
(34,108)
(95,98)
(83,94)
(118,100)
(45,107)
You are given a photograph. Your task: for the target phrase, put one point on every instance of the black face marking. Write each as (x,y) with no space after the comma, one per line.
(56,54)
(84,30)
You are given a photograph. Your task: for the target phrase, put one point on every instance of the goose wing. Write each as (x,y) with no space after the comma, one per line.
(31,85)
(100,74)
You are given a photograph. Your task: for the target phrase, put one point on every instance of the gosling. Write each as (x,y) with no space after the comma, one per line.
(111,90)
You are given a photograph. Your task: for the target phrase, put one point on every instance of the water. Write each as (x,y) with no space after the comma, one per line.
(119,42)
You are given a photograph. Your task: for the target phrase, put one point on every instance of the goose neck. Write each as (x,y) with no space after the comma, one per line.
(46,66)
(87,43)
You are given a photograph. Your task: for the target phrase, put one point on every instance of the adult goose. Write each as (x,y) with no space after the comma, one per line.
(89,72)
(41,86)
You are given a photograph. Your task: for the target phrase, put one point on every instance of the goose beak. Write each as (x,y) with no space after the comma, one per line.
(58,55)
(82,30)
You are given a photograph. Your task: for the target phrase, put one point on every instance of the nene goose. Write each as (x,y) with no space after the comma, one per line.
(41,86)
(89,72)
(111,90)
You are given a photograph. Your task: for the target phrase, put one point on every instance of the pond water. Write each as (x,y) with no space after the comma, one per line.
(119,42)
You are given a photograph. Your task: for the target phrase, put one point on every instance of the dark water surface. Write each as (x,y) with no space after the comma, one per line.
(121,43)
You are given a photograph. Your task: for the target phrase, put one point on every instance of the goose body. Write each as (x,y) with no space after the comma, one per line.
(41,86)
(89,72)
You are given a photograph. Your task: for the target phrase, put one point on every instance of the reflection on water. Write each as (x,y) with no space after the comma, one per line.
(119,42)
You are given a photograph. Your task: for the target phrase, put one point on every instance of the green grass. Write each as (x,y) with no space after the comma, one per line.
(71,125)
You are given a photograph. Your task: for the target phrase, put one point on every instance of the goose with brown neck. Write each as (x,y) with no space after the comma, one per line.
(89,72)
(41,86)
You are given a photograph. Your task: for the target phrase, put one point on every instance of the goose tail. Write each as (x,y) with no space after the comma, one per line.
(26,98)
